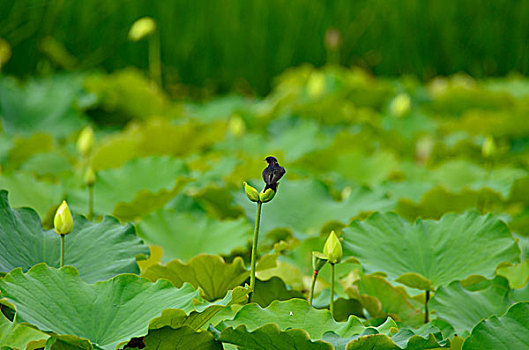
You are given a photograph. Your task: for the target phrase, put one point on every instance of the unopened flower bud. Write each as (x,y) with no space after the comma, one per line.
(63,220)
(236,125)
(143,27)
(488,149)
(89,177)
(251,192)
(85,141)
(318,261)
(333,248)
(267,196)
(401,105)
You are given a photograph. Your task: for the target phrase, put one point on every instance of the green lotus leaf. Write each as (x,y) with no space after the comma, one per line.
(197,319)
(46,105)
(294,313)
(440,251)
(381,299)
(67,342)
(209,273)
(448,302)
(18,335)
(439,201)
(99,250)
(270,336)
(24,148)
(26,191)
(156,175)
(184,235)
(107,313)
(505,332)
(305,206)
(184,337)
(273,289)
(43,164)
(459,174)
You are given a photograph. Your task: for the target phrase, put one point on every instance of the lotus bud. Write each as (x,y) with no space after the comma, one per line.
(488,149)
(142,28)
(267,196)
(316,85)
(236,125)
(333,248)
(318,261)
(5,52)
(63,220)
(89,177)
(251,192)
(401,105)
(85,141)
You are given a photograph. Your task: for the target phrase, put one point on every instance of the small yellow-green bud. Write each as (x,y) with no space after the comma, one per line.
(488,149)
(236,125)
(333,248)
(251,192)
(5,52)
(85,141)
(316,85)
(401,105)
(267,196)
(63,220)
(318,261)
(143,27)
(89,177)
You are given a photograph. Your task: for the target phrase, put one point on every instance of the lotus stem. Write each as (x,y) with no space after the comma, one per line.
(90,203)
(332,290)
(313,284)
(426,316)
(155,64)
(254,250)
(62,250)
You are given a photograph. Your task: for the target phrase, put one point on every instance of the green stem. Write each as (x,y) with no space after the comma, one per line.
(90,202)
(313,284)
(155,63)
(62,250)
(426,316)
(254,251)
(332,290)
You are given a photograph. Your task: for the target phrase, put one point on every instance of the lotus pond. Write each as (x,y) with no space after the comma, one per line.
(424,187)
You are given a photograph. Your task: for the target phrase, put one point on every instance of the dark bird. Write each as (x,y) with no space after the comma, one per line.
(272,173)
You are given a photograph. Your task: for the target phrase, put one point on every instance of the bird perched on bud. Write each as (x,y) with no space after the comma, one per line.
(272,173)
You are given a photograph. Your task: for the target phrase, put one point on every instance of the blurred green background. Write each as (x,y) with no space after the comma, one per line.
(238,45)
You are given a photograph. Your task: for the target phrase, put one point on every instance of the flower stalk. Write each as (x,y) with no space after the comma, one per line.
(254,250)
(63,222)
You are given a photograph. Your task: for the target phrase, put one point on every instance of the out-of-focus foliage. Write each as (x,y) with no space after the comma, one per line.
(243,45)
(426,185)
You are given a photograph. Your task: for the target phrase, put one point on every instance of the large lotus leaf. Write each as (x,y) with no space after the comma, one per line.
(46,104)
(427,254)
(185,337)
(459,174)
(305,206)
(294,313)
(270,336)
(210,273)
(48,164)
(99,250)
(273,289)
(18,335)
(381,299)
(197,319)
(67,342)
(107,313)
(156,175)
(26,191)
(439,201)
(184,235)
(502,333)
(518,275)
(448,302)
(25,147)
